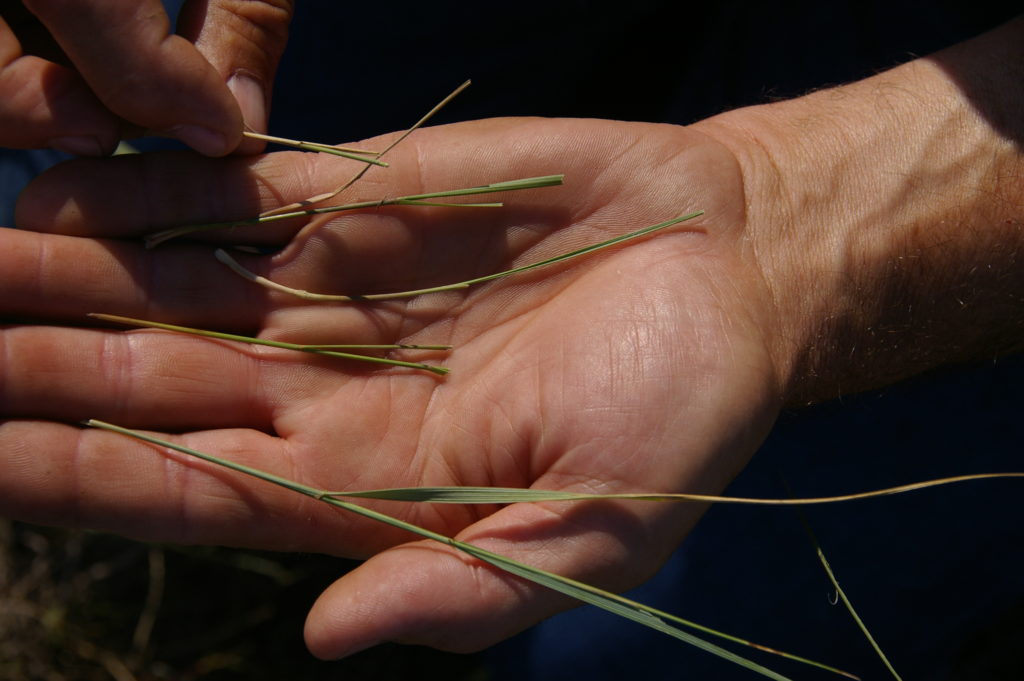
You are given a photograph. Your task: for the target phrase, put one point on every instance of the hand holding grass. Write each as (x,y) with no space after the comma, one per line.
(613,372)
(839,250)
(127,72)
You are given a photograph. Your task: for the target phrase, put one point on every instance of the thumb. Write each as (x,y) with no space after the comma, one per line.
(243,42)
(425,593)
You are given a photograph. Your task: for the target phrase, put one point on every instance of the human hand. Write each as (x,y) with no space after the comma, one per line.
(94,72)
(644,368)
(852,237)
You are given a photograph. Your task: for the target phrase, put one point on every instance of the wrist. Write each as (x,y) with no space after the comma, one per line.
(885,217)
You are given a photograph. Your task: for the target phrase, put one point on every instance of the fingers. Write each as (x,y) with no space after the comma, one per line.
(139,194)
(156,379)
(427,594)
(243,41)
(67,374)
(151,378)
(134,195)
(43,104)
(126,64)
(163,190)
(129,63)
(125,51)
(44,276)
(60,474)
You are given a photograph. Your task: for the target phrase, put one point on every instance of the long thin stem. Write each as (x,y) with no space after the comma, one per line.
(618,605)
(372,159)
(415,126)
(845,599)
(326,350)
(853,613)
(410,200)
(515,495)
(293,142)
(427,116)
(226,258)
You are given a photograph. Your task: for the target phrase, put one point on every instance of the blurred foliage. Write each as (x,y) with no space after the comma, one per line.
(84,606)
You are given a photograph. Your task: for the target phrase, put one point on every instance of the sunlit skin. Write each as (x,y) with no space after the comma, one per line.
(642,368)
(851,238)
(78,75)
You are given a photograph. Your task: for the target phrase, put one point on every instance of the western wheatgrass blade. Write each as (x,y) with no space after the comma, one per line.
(293,209)
(515,495)
(355,178)
(640,613)
(326,350)
(411,200)
(845,599)
(539,182)
(353,154)
(224,257)
(853,613)
(613,603)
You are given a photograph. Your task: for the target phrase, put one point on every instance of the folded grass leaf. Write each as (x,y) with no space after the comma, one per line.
(618,605)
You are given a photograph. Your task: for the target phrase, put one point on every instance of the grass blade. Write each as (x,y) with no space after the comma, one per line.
(853,613)
(224,257)
(846,601)
(412,199)
(355,178)
(515,495)
(618,605)
(361,156)
(292,209)
(425,118)
(326,350)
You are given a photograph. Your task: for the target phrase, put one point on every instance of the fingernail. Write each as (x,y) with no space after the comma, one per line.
(205,141)
(80,145)
(251,100)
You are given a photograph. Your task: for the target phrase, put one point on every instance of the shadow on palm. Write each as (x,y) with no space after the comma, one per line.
(607,373)
(640,368)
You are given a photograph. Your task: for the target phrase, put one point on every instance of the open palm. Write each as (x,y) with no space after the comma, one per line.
(640,368)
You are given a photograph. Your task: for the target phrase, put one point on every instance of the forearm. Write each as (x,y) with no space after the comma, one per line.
(887,217)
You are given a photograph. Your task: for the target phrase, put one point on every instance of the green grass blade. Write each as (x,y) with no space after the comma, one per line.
(365,157)
(853,613)
(355,178)
(415,199)
(507,186)
(442,204)
(366,346)
(311,349)
(464,495)
(587,249)
(846,601)
(613,603)
(617,605)
(224,463)
(426,117)
(225,258)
